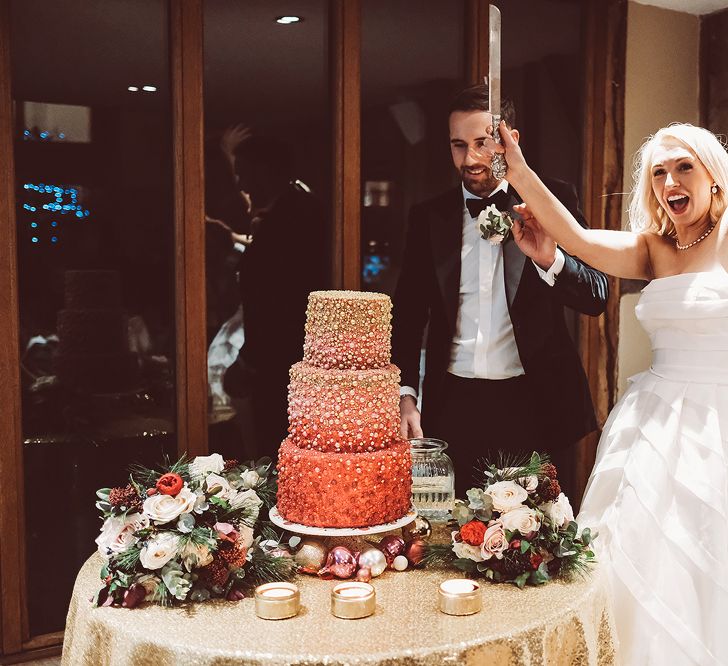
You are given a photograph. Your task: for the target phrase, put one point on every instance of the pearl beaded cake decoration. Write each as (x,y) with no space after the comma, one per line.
(344,463)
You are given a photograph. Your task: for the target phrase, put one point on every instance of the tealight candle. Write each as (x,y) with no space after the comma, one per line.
(277,601)
(460,596)
(352,600)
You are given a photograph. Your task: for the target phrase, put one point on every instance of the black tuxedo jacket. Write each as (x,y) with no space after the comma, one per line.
(428,293)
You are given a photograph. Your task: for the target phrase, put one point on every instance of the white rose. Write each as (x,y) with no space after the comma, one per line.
(220,487)
(195,556)
(165,508)
(202,465)
(494,541)
(159,550)
(559,512)
(249,500)
(506,495)
(521,519)
(250,478)
(462,549)
(117,533)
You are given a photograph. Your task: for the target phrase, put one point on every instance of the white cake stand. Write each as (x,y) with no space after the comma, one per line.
(297,528)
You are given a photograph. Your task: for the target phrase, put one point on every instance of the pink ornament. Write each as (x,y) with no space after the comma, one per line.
(341,563)
(392,546)
(364,574)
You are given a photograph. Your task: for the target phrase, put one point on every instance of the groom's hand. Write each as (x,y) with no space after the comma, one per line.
(409,417)
(531,238)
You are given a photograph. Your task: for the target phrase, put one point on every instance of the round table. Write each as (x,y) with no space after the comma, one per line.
(558,623)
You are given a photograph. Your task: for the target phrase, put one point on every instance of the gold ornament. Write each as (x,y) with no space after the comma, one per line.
(419,528)
(310,556)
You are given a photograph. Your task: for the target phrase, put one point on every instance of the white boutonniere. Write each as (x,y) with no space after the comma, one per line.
(494,225)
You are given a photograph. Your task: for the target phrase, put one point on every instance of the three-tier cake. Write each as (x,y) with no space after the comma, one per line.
(344,463)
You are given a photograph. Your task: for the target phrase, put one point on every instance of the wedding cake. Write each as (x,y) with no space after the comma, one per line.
(344,463)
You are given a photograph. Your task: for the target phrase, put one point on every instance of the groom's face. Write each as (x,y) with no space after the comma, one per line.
(472,149)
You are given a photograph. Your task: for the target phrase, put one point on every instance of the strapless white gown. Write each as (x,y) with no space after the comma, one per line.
(658,495)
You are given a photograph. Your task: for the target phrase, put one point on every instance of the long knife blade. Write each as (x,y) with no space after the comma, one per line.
(494,59)
(498,165)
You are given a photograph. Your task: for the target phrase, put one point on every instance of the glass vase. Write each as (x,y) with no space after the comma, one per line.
(433,478)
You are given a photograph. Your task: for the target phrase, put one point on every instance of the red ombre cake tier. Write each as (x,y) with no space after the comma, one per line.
(348,330)
(344,489)
(343,411)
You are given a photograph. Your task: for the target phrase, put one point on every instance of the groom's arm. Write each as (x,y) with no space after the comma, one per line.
(577,285)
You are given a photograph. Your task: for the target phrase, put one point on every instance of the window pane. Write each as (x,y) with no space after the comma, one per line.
(95,264)
(268,174)
(413,61)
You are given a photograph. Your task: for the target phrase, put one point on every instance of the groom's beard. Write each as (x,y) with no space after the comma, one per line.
(478,179)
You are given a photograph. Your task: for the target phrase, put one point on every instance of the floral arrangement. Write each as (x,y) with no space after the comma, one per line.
(494,225)
(188,533)
(519,527)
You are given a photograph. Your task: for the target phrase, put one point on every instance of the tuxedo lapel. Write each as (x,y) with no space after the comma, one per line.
(446,236)
(514,261)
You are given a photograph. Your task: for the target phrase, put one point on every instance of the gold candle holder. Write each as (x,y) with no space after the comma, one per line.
(352,600)
(460,596)
(277,601)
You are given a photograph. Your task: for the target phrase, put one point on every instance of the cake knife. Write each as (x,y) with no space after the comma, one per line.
(493,83)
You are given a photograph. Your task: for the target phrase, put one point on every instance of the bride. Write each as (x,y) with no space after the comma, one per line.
(658,494)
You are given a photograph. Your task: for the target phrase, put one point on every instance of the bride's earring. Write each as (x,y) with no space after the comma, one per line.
(714,189)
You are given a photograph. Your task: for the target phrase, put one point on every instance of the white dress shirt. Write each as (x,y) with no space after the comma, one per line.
(484,346)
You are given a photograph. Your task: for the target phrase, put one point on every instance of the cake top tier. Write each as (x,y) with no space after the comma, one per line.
(348,330)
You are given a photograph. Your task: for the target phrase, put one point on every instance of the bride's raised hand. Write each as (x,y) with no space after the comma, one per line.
(532,238)
(511,149)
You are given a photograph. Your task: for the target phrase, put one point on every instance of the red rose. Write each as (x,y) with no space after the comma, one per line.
(536,560)
(170,484)
(473,532)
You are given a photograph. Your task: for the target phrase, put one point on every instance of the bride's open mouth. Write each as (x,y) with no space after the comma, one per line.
(678,202)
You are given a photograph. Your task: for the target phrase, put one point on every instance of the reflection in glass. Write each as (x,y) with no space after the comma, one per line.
(267,173)
(412,64)
(96,297)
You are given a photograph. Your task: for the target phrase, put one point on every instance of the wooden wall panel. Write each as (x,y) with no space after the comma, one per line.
(12,541)
(186,36)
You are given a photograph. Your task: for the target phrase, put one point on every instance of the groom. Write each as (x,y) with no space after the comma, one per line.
(501,372)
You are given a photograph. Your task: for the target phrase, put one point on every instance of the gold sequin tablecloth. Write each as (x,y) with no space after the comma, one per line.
(556,624)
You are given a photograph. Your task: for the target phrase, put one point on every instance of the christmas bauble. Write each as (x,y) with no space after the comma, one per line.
(400,563)
(374,560)
(341,562)
(419,528)
(310,556)
(391,546)
(414,551)
(364,574)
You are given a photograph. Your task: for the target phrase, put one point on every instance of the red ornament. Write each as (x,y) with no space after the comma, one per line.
(536,560)
(414,551)
(391,546)
(515,544)
(170,483)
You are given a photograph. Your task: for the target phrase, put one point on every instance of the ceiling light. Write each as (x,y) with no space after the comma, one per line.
(133,89)
(287,20)
(149,88)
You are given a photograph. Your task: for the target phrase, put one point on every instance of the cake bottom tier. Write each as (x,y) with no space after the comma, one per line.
(344,489)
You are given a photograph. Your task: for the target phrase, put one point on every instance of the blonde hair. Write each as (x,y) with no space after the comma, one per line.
(645,212)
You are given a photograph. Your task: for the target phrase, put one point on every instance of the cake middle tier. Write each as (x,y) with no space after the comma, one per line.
(343,411)
(344,489)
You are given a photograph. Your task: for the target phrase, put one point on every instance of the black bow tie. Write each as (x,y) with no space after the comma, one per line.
(501,200)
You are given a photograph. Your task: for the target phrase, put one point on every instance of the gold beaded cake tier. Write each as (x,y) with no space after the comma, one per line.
(348,330)
(343,411)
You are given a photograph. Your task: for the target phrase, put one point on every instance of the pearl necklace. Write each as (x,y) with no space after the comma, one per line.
(697,240)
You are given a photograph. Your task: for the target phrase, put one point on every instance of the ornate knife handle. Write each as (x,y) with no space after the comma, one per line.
(498,166)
